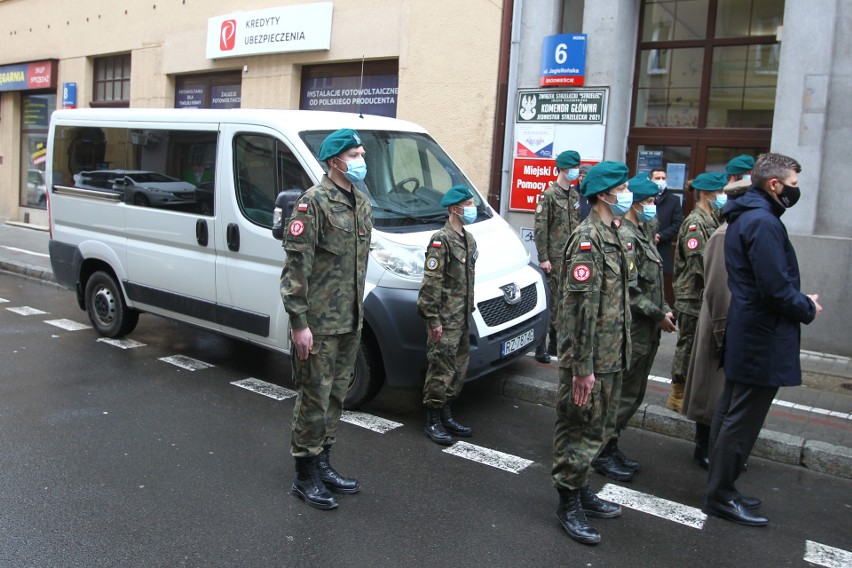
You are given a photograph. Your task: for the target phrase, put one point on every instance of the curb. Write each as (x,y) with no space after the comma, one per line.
(775,446)
(28,270)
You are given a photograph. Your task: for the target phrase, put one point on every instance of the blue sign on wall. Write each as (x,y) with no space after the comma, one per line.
(69,95)
(563,60)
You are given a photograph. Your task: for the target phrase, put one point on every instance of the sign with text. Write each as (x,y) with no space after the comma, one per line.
(190,96)
(69,95)
(563,60)
(534,141)
(226,96)
(304,27)
(530,177)
(566,106)
(375,94)
(28,76)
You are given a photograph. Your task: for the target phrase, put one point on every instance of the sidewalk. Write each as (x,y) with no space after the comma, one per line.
(809,425)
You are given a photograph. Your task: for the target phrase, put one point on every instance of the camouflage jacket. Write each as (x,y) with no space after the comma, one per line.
(327,244)
(593,325)
(556,217)
(647,305)
(446,295)
(688,279)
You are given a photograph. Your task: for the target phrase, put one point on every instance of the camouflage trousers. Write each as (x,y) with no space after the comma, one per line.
(686,324)
(448,359)
(581,431)
(322,381)
(554,280)
(635,379)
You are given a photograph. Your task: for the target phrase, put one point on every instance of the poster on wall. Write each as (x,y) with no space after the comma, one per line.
(534,141)
(372,94)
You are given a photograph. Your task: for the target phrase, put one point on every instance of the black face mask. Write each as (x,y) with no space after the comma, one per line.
(789,196)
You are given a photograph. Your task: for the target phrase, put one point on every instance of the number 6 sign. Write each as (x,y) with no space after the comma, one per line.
(563,60)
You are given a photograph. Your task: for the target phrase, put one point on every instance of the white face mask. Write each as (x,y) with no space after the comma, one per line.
(661,183)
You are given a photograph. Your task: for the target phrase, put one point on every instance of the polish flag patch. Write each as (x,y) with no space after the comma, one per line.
(586,245)
(302,207)
(693,227)
(297,228)
(436,244)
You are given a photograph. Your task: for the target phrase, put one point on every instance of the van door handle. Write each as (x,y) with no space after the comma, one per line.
(201,234)
(233,237)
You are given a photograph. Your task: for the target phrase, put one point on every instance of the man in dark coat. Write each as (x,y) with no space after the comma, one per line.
(762,339)
(669,220)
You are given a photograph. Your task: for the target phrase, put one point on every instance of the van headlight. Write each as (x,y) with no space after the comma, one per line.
(402,260)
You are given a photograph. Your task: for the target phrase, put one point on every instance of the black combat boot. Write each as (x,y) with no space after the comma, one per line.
(435,428)
(570,514)
(621,458)
(594,506)
(541,354)
(701,455)
(551,344)
(308,485)
(453,427)
(606,464)
(333,480)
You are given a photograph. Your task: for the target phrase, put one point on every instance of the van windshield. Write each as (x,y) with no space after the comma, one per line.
(407,175)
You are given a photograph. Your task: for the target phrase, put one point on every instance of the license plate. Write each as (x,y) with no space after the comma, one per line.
(519,342)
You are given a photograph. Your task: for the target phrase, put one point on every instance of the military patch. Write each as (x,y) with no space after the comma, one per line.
(582,273)
(693,228)
(692,243)
(432,263)
(302,207)
(538,208)
(436,244)
(630,245)
(586,245)
(297,227)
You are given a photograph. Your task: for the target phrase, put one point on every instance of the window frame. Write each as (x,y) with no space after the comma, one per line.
(125,65)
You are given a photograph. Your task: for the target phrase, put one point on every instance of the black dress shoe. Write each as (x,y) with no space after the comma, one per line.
(541,354)
(735,512)
(699,457)
(749,502)
(607,466)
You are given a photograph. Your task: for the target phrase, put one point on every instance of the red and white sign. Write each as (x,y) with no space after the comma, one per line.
(530,177)
(228,35)
(582,273)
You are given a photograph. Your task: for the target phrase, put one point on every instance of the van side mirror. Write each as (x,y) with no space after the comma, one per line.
(283,209)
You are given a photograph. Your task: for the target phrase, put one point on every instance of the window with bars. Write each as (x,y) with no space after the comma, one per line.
(112,81)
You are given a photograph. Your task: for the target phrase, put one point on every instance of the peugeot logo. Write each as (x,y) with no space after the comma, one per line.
(511,293)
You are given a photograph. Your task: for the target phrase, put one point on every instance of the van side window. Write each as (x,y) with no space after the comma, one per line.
(263,167)
(168,169)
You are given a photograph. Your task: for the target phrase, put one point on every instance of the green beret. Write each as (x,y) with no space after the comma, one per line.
(642,187)
(568,159)
(707,181)
(603,177)
(338,142)
(457,194)
(740,165)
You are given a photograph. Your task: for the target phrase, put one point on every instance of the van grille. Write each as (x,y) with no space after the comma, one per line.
(496,311)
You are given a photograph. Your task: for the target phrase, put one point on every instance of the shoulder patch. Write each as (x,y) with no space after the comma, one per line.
(433,263)
(585,245)
(297,227)
(436,244)
(629,245)
(581,272)
(693,228)
(302,207)
(538,208)
(692,243)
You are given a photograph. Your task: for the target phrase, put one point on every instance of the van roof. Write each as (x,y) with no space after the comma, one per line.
(297,120)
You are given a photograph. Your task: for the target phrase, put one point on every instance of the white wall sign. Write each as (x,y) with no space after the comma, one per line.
(306,27)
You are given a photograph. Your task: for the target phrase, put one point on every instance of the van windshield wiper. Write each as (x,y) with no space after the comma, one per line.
(425,219)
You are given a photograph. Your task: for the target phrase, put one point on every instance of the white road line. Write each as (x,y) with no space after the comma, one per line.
(26,311)
(4,301)
(185,362)
(68,325)
(266,389)
(27,251)
(663,508)
(827,556)
(657,379)
(369,421)
(506,462)
(121,343)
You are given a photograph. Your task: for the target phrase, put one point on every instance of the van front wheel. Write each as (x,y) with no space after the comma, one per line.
(106,306)
(366,381)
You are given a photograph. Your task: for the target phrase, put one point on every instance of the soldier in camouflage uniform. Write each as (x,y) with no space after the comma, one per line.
(689,273)
(593,329)
(445,302)
(649,314)
(322,286)
(556,216)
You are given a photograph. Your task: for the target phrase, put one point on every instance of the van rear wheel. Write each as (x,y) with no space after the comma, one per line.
(106,307)
(367,380)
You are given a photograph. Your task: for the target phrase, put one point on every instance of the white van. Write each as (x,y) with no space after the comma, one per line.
(209,258)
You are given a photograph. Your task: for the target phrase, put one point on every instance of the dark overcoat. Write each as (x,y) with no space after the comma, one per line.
(669,219)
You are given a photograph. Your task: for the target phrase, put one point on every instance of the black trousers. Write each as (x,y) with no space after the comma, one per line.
(739,416)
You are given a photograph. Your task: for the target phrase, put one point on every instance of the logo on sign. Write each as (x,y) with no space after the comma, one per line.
(228,35)
(38,76)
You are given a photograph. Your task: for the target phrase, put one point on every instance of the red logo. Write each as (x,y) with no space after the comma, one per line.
(582,273)
(692,244)
(228,35)
(297,228)
(38,75)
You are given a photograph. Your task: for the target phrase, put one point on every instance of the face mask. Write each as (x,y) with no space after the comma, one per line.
(789,196)
(719,202)
(747,178)
(622,204)
(648,212)
(469,215)
(573,174)
(356,170)
(661,183)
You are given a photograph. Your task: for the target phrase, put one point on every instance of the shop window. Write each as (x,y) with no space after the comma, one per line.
(369,88)
(112,81)
(34,124)
(220,90)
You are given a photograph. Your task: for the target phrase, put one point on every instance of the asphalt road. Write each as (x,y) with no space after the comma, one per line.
(113,457)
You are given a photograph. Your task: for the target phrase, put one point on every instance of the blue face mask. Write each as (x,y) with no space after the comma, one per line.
(356,170)
(622,204)
(469,215)
(648,212)
(573,174)
(719,202)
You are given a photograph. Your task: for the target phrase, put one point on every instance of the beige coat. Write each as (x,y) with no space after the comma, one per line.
(705,378)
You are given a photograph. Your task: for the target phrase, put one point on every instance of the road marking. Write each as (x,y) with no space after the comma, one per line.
(26,311)
(266,389)
(185,362)
(27,251)
(121,343)
(68,325)
(369,421)
(827,556)
(4,301)
(506,462)
(663,508)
